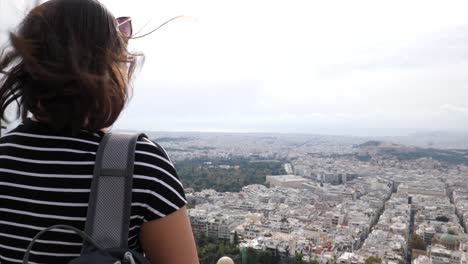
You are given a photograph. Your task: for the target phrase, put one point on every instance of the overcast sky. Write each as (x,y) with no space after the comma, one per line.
(328,67)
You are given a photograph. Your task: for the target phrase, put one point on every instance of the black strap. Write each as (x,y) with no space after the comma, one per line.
(108,216)
(83,235)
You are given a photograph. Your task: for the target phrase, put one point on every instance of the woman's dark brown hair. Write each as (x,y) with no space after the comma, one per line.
(68,66)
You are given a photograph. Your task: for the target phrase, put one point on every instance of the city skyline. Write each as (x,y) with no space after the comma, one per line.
(324,199)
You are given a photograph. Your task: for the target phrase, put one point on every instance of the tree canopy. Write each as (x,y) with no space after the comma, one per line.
(416,242)
(373,260)
(196,174)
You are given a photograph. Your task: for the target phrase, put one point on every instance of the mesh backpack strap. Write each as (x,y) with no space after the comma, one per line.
(108,216)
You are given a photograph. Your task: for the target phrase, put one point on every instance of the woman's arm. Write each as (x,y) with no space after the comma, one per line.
(169,240)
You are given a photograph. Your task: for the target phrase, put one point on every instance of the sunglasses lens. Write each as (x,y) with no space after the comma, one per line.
(125,26)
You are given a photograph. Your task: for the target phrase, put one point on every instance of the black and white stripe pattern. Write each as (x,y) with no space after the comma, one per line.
(45,180)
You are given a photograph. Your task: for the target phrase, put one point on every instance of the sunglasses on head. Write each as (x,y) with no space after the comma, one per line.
(124,24)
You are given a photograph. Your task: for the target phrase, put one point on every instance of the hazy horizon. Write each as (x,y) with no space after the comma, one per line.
(414,134)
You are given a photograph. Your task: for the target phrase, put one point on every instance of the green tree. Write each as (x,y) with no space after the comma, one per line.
(416,242)
(442,219)
(252,256)
(191,204)
(266,257)
(373,260)
(221,250)
(202,240)
(236,238)
(314,261)
(210,250)
(297,259)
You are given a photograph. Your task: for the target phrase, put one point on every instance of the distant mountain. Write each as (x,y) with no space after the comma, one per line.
(439,140)
(172,139)
(372,143)
(376,143)
(374,148)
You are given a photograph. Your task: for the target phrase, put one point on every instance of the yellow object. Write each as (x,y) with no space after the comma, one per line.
(225,260)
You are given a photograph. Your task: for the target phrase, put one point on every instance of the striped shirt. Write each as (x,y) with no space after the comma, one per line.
(45,180)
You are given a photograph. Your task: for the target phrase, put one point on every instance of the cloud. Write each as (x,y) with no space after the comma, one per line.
(442,47)
(453,109)
(298,66)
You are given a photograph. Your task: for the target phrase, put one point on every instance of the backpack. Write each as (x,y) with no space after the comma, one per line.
(105,239)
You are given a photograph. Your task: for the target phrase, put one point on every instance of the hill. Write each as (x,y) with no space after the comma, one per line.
(390,150)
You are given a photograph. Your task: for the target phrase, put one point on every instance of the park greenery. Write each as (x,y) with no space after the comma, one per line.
(446,156)
(210,250)
(226,175)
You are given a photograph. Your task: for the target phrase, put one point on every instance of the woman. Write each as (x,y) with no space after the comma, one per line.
(68,71)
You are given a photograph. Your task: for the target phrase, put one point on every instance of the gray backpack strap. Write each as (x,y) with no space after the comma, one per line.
(108,216)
